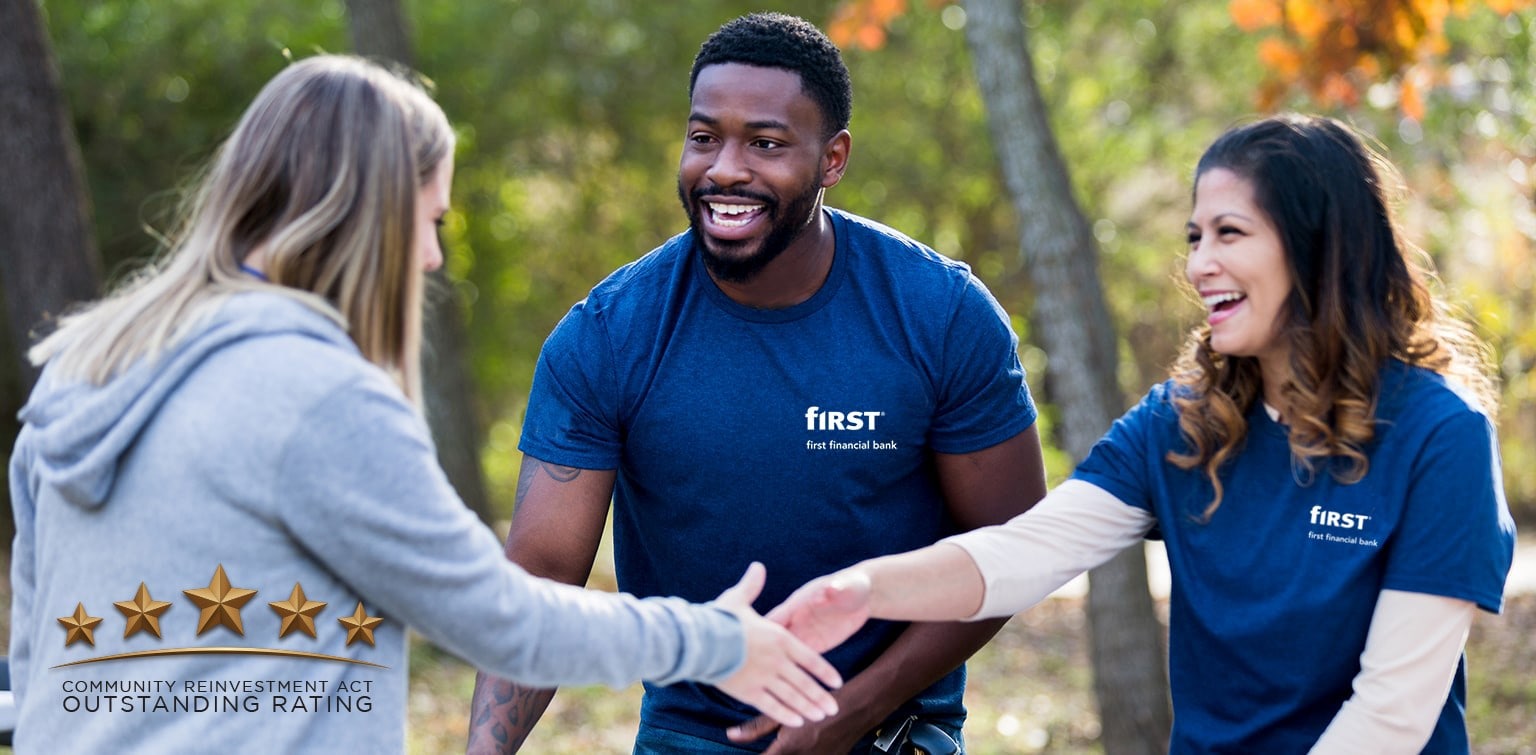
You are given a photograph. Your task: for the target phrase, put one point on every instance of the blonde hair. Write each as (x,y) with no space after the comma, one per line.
(322,175)
(1360,298)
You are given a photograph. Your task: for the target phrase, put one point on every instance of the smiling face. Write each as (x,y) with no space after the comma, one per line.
(1237,264)
(754,166)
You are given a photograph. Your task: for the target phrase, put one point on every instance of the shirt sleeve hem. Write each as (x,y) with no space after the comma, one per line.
(1488,601)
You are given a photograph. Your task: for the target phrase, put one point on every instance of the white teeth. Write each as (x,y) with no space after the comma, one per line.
(722,211)
(721,208)
(1214,299)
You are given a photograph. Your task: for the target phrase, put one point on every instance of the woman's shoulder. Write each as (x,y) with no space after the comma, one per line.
(1419,406)
(271,346)
(1156,413)
(1161,397)
(1409,391)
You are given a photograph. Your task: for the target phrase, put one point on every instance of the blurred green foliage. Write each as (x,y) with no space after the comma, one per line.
(570,115)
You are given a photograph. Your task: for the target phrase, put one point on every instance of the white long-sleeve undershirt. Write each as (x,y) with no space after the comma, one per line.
(1411,651)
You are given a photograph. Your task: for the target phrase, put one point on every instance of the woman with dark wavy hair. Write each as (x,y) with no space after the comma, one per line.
(1323,466)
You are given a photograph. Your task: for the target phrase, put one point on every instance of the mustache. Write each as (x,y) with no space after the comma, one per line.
(697,195)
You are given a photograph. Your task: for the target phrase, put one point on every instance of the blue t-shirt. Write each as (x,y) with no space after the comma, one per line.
(800,437)
(1273,596)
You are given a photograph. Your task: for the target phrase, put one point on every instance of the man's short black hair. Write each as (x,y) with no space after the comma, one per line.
(774,40)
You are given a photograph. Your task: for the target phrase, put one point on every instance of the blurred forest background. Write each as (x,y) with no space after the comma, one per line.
(570,116)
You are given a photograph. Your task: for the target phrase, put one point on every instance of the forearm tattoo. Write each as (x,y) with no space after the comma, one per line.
(504,714)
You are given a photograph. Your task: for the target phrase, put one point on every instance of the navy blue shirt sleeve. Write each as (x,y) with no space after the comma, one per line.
(1456,537)
(983,398)
(573,414)
(1120,462)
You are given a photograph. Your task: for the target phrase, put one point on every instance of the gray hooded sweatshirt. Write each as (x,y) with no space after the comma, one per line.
(176,514)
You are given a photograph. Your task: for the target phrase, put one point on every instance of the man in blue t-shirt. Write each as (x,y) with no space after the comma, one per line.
(784,383)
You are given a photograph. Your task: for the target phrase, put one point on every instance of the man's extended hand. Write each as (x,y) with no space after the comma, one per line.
(836,734)
(780,675)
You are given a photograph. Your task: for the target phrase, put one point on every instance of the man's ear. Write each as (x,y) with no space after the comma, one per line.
(834,158)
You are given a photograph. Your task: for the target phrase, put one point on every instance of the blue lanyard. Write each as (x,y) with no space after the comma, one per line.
(253,272)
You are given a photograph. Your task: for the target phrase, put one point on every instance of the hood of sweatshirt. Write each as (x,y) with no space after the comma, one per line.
(79,432)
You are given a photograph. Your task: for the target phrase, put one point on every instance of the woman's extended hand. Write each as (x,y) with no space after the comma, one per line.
(780,675)
(827,610)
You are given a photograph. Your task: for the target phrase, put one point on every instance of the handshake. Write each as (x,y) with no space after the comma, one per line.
(784,675)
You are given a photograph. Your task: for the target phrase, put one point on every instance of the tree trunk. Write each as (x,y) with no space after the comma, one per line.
(1074,327)
(11,399)
(450,395)
(47,258)
(378,31)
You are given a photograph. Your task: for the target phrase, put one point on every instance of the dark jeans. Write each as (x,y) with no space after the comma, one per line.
(656,741)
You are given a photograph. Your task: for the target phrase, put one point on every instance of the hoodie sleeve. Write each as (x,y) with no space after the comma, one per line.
(360,486)
(23,563)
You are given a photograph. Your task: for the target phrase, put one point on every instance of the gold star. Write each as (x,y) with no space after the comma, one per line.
(79,626)
(359,624)
(220,603)
(298,613)
(143,612)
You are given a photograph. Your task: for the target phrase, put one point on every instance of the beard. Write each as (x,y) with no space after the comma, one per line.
(735,261)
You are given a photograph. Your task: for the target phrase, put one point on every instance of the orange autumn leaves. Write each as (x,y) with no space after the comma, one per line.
(1335,49)
(862,23)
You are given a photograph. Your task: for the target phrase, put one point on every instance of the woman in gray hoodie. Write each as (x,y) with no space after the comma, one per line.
(228,506)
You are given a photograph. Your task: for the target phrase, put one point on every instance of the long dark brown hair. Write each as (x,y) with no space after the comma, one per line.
(1360,296)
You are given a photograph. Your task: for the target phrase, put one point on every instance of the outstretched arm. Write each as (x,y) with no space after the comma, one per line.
(994,571)
(936,583)
(556,528)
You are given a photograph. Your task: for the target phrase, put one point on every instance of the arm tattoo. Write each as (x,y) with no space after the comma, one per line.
(559,473)
(506,713)
(502,713)
(530,469)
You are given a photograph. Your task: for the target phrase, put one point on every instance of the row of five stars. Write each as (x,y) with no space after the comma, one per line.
(220,604)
